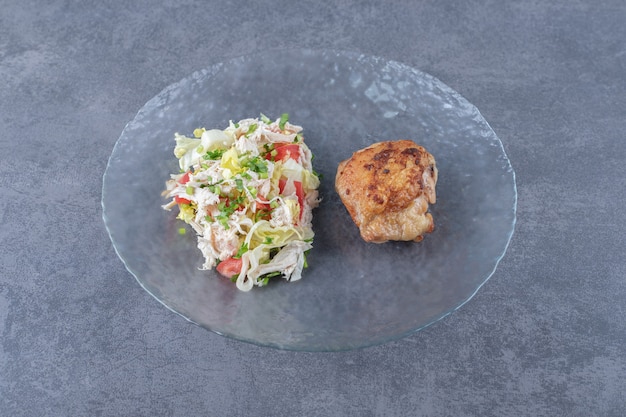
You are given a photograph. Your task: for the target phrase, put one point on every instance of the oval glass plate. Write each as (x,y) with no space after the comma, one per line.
(353,294)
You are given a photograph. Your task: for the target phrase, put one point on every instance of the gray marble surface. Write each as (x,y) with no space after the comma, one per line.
(545,336)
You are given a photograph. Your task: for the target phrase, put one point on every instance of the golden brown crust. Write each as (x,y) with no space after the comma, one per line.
(386,188)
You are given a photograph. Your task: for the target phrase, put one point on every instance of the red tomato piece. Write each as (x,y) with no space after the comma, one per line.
(181,200)
(300,195)
(184,179)
(284,151)
(229,267)
(288,151)
(262,203)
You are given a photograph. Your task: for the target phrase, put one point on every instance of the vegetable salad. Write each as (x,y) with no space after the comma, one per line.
(248,192)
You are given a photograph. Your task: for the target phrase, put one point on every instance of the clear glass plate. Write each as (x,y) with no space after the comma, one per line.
(353,294)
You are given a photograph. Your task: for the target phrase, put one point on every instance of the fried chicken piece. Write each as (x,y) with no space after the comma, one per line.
(386,188)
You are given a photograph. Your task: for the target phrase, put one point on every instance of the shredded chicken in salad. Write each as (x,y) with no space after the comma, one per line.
(248,192)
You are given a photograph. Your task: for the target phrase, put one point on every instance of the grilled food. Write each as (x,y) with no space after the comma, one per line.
(387,188)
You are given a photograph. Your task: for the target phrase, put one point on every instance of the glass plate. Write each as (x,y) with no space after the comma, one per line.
(354,294)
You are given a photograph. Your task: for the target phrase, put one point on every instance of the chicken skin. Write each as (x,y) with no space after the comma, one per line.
(386,188)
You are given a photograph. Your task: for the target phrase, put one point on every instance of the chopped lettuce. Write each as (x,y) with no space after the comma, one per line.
(247,208)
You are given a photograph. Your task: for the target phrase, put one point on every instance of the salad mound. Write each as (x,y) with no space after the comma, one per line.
(248,192)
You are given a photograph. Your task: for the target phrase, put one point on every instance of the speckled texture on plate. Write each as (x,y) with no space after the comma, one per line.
(354,294)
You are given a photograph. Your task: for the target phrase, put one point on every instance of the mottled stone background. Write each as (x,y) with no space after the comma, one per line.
(545,336)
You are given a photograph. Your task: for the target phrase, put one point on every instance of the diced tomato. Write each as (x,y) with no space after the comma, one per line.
(300,195)
(229,267)
(263,208)
(184,179)
(282,182)
(262,203)
(285,151)
(288,151)
(181,200)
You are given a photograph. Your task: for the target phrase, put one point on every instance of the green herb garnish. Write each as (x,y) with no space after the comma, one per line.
(214,154)
(256,164)
(284,118)
(265,278)
(265,119)
(251,129)
(242,249)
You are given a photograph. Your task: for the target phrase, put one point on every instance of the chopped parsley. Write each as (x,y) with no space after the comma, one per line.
(256,164)
(238,192)
(214,154)
(242,249)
